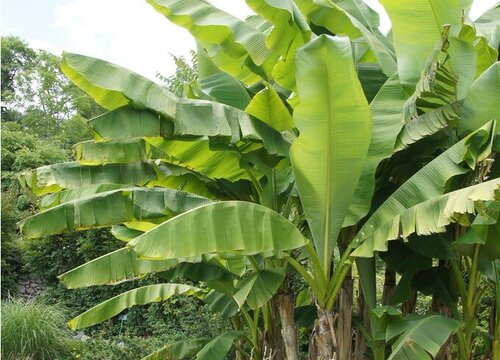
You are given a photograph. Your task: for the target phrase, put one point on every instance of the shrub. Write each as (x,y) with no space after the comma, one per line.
(33,330)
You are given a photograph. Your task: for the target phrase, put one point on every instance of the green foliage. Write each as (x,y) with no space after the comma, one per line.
(11,263)
(186,72)
(33,330)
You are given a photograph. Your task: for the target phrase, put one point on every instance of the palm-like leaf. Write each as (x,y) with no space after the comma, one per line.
(335,126)
(420,337)
(110,208)
(225,227)
(115,267)
(140,296)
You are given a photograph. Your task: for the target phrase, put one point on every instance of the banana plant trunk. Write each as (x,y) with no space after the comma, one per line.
(324,339)
(389,285)
(344,332)
(288,329)
(360,348)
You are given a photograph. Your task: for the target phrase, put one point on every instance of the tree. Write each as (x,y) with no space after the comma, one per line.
(417,156)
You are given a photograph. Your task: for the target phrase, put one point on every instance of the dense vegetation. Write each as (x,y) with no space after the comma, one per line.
(47,257)
(307,154)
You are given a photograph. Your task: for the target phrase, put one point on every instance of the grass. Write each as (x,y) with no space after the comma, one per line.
(33,330)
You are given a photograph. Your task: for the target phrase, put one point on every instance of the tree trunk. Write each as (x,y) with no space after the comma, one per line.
(344,330)
(389,285)
(360,347)
(323,336)
(288,329)
(408,307)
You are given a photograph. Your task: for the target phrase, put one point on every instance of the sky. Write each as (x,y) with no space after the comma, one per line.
(129,33)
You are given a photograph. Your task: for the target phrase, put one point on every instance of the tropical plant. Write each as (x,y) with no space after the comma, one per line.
(295,149)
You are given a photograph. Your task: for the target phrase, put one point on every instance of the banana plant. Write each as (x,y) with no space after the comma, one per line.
(284,110)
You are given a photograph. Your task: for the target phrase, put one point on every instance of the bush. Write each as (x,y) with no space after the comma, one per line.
(33,330)
(122,348)
(11,264)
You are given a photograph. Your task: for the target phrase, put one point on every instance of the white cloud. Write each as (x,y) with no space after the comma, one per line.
(129,33)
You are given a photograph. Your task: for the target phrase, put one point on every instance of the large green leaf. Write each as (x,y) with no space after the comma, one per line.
(257,289)
(419,203)
(428,16)
(129,123)
(488,24)
(420,337)
(230,43)
(110,208)
(267,106)
(140,296)
(225,227)
(200,271)
(103,80)
(218,348)
(113,86)
(53,178)
(221,302)
(480,105)
(334,121)
(184,349)
(198,156)
(113,268)
(426,217)
(386,110)
(61,197)
(352,18)
(109,152)
(434,103)
(225,89)
(289,32)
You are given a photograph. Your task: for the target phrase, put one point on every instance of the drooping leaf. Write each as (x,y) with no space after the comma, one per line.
(61,197)
(426,217)
(225,89)
(188,117)
(218,348)
(200,158)
(419,204)
(225,227)
(221,303)
(257,289)
(110,208)
(437,282)
(113,86)
(53,178)
(268,107)
(128,123)
(372,79)
(420,337)
(230,43)
(352,18)
(434,101)
(112,268)
(480,105)
(201,271)
(124,233)
(332,108)
(184,349)
(488,24)
(289,32)
(139,296)
(111,152)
